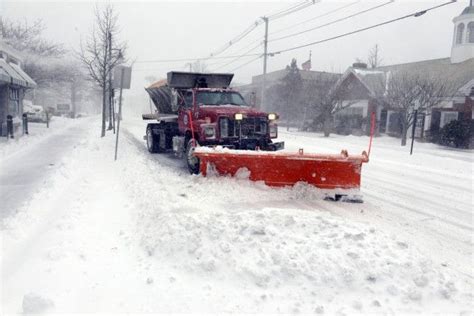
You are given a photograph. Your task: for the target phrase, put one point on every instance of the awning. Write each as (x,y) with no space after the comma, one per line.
(4,77)
(13,74)
(30,82)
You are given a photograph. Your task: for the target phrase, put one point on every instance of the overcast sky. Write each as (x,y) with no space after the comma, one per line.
(157,30)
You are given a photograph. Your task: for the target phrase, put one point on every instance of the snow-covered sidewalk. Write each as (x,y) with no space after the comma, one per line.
(30,160)
(142,235)
(37,133)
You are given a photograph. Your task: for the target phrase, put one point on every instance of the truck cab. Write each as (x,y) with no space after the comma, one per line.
(206,112)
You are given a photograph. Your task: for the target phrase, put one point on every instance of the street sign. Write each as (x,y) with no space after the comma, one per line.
(127,77)
(122,78)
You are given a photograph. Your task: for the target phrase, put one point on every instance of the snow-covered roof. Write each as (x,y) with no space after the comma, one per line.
(373,80)
(459,74)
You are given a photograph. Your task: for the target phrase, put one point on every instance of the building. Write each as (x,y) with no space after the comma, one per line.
(363,85)
(14,82)
(253,91)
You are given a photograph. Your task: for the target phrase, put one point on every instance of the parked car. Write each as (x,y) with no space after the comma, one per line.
(36,113)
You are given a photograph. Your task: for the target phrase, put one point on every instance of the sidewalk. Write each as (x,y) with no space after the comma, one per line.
(27,161)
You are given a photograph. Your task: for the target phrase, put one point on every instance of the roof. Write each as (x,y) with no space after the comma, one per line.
(457,73)
(372,80)
(460,74)
(468,10)
(13,74)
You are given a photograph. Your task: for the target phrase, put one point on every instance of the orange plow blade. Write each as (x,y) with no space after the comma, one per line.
(340,171)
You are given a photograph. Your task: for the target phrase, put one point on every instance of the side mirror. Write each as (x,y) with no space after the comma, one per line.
(174,100)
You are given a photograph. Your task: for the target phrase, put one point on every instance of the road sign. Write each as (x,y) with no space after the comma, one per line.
(127,77)
(123,76)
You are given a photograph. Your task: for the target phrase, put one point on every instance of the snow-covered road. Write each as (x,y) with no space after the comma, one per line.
(142,235)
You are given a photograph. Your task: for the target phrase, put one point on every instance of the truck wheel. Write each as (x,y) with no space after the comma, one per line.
(151,140)
(191,161)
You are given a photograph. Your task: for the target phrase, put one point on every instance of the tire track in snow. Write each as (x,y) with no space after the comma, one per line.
(404,190)
(375,196)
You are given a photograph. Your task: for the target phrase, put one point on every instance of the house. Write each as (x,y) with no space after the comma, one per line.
(14,82)
(253,91)
(362,85)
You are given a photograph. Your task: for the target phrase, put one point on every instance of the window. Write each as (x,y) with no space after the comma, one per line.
(447,117)
(14,104)
(220,98)
(459,33)
(470,33)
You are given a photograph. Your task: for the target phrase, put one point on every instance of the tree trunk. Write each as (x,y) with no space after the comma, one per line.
(327,126)
(104,111)
(404,134)
(73,99)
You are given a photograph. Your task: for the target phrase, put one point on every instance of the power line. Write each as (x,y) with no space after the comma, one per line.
(253,26)
(316,17)
(333,22)
(416,14)
(296,8)
(236,39)
(244,54)
(188,59)
(245,64)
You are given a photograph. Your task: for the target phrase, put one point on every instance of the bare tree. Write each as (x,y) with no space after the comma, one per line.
(374,60)
(100,54)
(198,66)
(326,101)
(27,38)
(407,91)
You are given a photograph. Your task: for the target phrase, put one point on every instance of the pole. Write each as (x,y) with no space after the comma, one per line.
(119,113)
(415,114)
(112,98)
(110,84)
(265,55)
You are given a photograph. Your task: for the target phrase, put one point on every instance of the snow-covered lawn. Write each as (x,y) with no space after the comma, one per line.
(142,235)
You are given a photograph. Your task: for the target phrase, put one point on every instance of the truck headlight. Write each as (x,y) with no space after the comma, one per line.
(273,131)
(209,132)
(272,116)
(224,127)
(238,116)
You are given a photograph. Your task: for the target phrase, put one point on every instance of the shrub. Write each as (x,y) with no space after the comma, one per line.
(457,133)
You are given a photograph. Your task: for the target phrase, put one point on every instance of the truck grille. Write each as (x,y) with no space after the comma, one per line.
(249,126)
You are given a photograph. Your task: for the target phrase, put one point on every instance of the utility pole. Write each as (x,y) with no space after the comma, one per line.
(265,55)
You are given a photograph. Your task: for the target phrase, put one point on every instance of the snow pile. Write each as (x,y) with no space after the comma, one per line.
(317,257)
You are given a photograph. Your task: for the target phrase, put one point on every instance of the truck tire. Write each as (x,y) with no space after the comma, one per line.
(191,161)
(152,142)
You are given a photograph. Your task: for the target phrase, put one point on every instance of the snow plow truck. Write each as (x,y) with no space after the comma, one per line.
(199,109)
(199,117)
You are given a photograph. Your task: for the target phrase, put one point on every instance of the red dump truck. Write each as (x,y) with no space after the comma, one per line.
(199,109)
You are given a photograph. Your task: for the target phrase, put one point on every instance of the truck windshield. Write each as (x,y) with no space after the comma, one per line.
(220,98)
